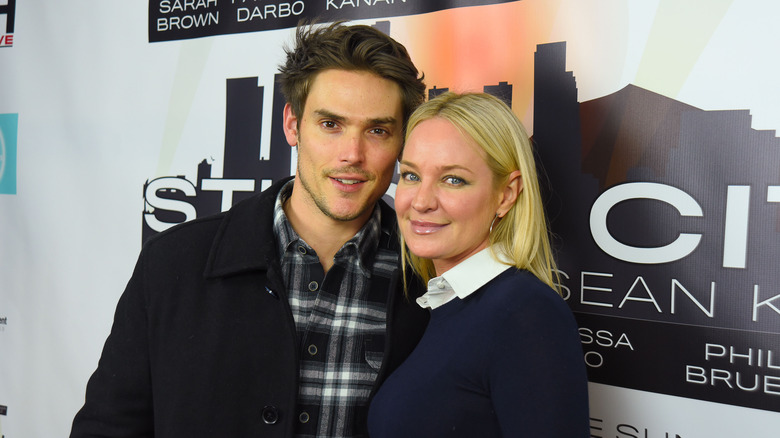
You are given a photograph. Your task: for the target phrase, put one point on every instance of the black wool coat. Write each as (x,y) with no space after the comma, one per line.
(204,343)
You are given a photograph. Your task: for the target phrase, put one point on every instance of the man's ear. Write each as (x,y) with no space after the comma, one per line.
(510,192)
(290,125)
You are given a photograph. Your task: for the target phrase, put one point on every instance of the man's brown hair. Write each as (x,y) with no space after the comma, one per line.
(341,47)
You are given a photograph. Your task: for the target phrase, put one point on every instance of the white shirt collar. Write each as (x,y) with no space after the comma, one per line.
(462,280)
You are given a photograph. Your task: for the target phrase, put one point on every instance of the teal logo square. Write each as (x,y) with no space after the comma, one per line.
(8,126)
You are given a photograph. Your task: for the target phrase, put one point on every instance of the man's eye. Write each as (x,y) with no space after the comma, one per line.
(329,124)
(380,131)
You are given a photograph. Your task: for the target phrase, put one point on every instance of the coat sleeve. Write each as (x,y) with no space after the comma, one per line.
(537,375)
(118,400)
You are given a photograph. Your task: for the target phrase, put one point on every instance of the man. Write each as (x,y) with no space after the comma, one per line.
(282,316)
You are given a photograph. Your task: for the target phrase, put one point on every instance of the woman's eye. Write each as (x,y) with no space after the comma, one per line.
(409,176)
(454,180)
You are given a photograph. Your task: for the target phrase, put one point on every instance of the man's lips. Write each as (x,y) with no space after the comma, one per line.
(425,227)
(349,181)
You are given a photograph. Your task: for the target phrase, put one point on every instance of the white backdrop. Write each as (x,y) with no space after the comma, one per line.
(101,110)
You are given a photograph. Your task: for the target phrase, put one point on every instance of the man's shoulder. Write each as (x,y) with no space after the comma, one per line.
(200,230)
(389,226)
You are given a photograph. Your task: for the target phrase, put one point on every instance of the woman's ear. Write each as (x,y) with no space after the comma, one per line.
(510,192)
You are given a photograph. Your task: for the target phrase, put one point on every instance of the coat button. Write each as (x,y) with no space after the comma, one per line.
(270,415)
(303,417)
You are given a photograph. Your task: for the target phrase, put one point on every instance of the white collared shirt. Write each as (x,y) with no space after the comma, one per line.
(462,280)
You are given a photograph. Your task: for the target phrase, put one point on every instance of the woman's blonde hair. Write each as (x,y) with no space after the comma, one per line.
(521,237)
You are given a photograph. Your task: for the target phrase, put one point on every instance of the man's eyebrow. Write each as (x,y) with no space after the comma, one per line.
(339,118)
(383,121)
(329,115)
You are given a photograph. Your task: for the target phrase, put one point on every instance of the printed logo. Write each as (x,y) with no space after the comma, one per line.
(8,124)
(185,19)
(599,428)
(666,219)
(170,200)
(7,14)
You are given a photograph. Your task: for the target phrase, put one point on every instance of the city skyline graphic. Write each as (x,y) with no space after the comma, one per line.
(653,317)
(635,135)
(646,325)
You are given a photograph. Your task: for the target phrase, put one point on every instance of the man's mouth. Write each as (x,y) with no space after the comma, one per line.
(348,181)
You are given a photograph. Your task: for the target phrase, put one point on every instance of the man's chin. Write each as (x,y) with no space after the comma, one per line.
(348,213)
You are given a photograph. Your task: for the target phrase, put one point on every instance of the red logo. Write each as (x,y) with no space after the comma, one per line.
(8,11)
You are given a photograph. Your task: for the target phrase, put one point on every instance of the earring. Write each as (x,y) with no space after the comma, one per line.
(492,223)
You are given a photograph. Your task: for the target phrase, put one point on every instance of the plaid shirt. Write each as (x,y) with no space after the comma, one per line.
(340,323)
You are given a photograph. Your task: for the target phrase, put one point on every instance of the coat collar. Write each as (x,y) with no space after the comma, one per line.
(244,241)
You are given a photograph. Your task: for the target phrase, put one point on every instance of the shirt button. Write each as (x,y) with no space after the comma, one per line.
(302,249)
(312,349)
(303,417)
(270,415)
(313,286)
(441,285)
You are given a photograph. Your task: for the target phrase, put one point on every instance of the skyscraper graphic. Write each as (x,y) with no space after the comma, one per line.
(635,135)
(243,122)
(243,165)
(723,292)
(502,91)
(568,192)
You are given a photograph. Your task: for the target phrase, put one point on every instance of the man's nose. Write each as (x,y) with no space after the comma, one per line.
(352,148)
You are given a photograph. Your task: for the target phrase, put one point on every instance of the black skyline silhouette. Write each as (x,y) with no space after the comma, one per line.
(242,160)
(635,135)
(583,149)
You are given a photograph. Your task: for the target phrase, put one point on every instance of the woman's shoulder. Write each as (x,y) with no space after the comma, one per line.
(517,289)
(523,307)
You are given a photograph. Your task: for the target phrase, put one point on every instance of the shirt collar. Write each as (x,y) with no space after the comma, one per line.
(362,246)
(462,280)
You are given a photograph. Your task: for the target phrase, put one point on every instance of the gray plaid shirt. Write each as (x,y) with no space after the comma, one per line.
(340,323)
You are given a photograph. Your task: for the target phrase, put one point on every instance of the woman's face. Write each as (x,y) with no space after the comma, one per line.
(446,197)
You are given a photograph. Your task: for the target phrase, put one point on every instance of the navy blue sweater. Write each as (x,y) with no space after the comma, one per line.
(505,361)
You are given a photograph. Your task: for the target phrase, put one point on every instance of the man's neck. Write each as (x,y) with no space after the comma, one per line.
(324,234)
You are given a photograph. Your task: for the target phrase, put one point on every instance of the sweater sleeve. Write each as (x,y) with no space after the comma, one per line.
(537,373)
(118,397)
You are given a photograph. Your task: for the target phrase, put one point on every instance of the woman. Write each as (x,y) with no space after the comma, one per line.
(501,355)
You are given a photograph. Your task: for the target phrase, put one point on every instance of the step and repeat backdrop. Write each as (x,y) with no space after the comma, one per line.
(655,123)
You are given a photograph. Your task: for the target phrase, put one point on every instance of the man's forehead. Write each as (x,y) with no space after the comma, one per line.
(356,95)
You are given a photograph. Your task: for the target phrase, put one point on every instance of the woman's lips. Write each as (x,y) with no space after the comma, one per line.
(424,227)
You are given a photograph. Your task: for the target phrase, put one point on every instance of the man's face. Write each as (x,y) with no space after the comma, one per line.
(348,137)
